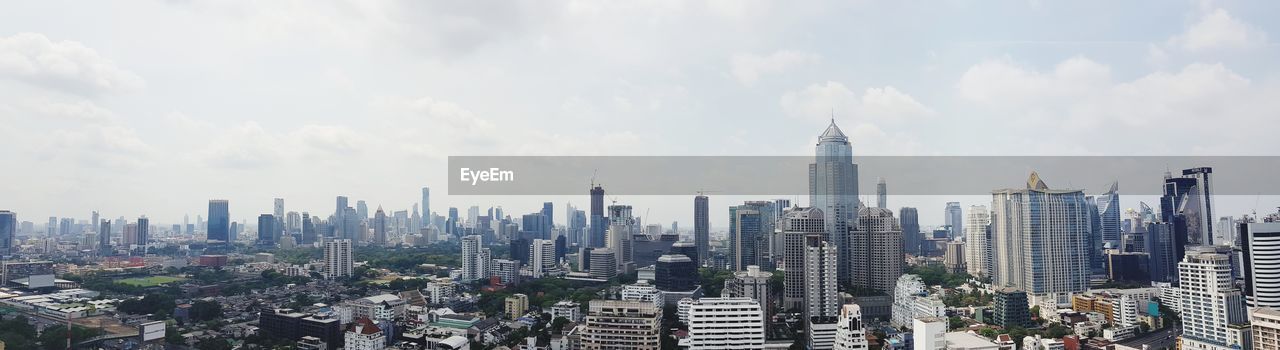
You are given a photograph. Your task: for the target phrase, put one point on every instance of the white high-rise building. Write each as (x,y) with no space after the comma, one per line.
(338,259)
(929,333)
(726,323)
(977,246)
(472,266)
(1260,263)
(908,287)
(1039,239)
(643,291)
(821,296)
(797,227)
(850,334)
(1210,303)
(751,283)
(617,324)
(543,257)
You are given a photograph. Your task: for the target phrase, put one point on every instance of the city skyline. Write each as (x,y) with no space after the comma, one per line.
(118,131)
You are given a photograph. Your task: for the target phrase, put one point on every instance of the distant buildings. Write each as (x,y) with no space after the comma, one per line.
(797,226)
(473,267)
(338,259)
(912,300)
(977,241)
(910,223)
(287,324)
(604,263)
(543,260)
(676,273)
(726,323)
(954,221)
(617,324)
(515,306)
(751,283)
(219,230)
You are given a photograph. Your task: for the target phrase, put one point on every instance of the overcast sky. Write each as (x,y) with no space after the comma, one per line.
(155,107)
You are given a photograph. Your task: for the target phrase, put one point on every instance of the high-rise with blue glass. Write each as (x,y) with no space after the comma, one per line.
(833,188)
(219,230)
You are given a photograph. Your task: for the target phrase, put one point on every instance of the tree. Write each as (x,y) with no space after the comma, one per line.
(204,310)
(55,338)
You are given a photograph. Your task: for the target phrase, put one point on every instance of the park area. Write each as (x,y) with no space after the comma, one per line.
(151,281)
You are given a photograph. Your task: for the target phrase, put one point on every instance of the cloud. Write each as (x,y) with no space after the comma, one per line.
(48,109)
(67,66)
(880,103)
(748,68)
(1217,30)
(113,147)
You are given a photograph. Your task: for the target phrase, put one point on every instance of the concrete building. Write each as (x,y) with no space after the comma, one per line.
(473,268)
(726,323)
(751,283)
(1010,308)
(643,291)
(977,241)
(953,259)
(877,252)
(515,306)
(929,333)
(1260,263)
(1040,239)
(1210,303)
(1266,328)
(338,259)
(617,324)
(364,334)
(542,261)
(797,226)
(850,331)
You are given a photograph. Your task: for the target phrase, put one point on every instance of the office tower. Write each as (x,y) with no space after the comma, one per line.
(338,259)
(1162,249)
(51,229)
(130,236)
(520,248)
(1039,239)
(726,323)
(308,229)
(910,223)
(1266,328)
(929,333)
(687,249)
(797,225)
(822,300)
(93,220)
(351,225)
(562,247)
(850,334)
(452,225)
(219,230)
(426,206)
(876,244)
(548,210)
(1210,303)
(1181,206)
(535,226)
(1009,308)
(1202,199)
(186,224)
(675,273)
(267,230)
(578,228)
(598,224)
(953,220)
(380,227)
(292,223)
(472,267)
(543,258)
(977,236)
(882,194)
(1109,212)
(833,189)
(8,231)
(617,324)
(701,227)
(278,213)
(604,263)
(362,210)
(1260,263)
(66,226)
(144,231)
(104,237)
(746,231)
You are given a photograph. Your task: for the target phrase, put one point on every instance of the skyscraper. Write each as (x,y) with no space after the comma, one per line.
(104,237)
(308,229)
(338,259)
(598,224)
(219,230)
(426,206)
(822,299)
(542,259)
(910,222)
(876,243)
(8,230)
(977,236)
(267,230)
(1260,263)
(797,226)
(745,233)
(1210,302)
(380,227)
(954,220)
(144,231)
(1109,213)
(548,210)
(833,189)
(702,227)
(882,194)
(1039,239)
(278,215)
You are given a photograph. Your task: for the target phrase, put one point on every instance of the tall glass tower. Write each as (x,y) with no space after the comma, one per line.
(833,188)
(219,230)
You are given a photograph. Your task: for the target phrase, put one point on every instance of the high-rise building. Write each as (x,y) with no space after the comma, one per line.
(1211,304)
(747,237)
(362,210)
(1260,263)
(380,227)
(219,230)
(833,189)
(598,224)
(850,334)
(954,220)
(1202,199)
(977,240)
(726,323)
(1039,239)
(1162,251)
(604,263)
(675,273)
(910,222)
(426,206)
(308,229)
(882,194)
(876,244)
(8,231)
(472,267)
(1009,308)
(278,212)
(104,237)
(797,225)
(267,230)
(752,283)
(821,295)
(1266,328)
(617,324)
(1109,212)
(929,333)
(953,258)
(542,259)
(702,227)
(338,259)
